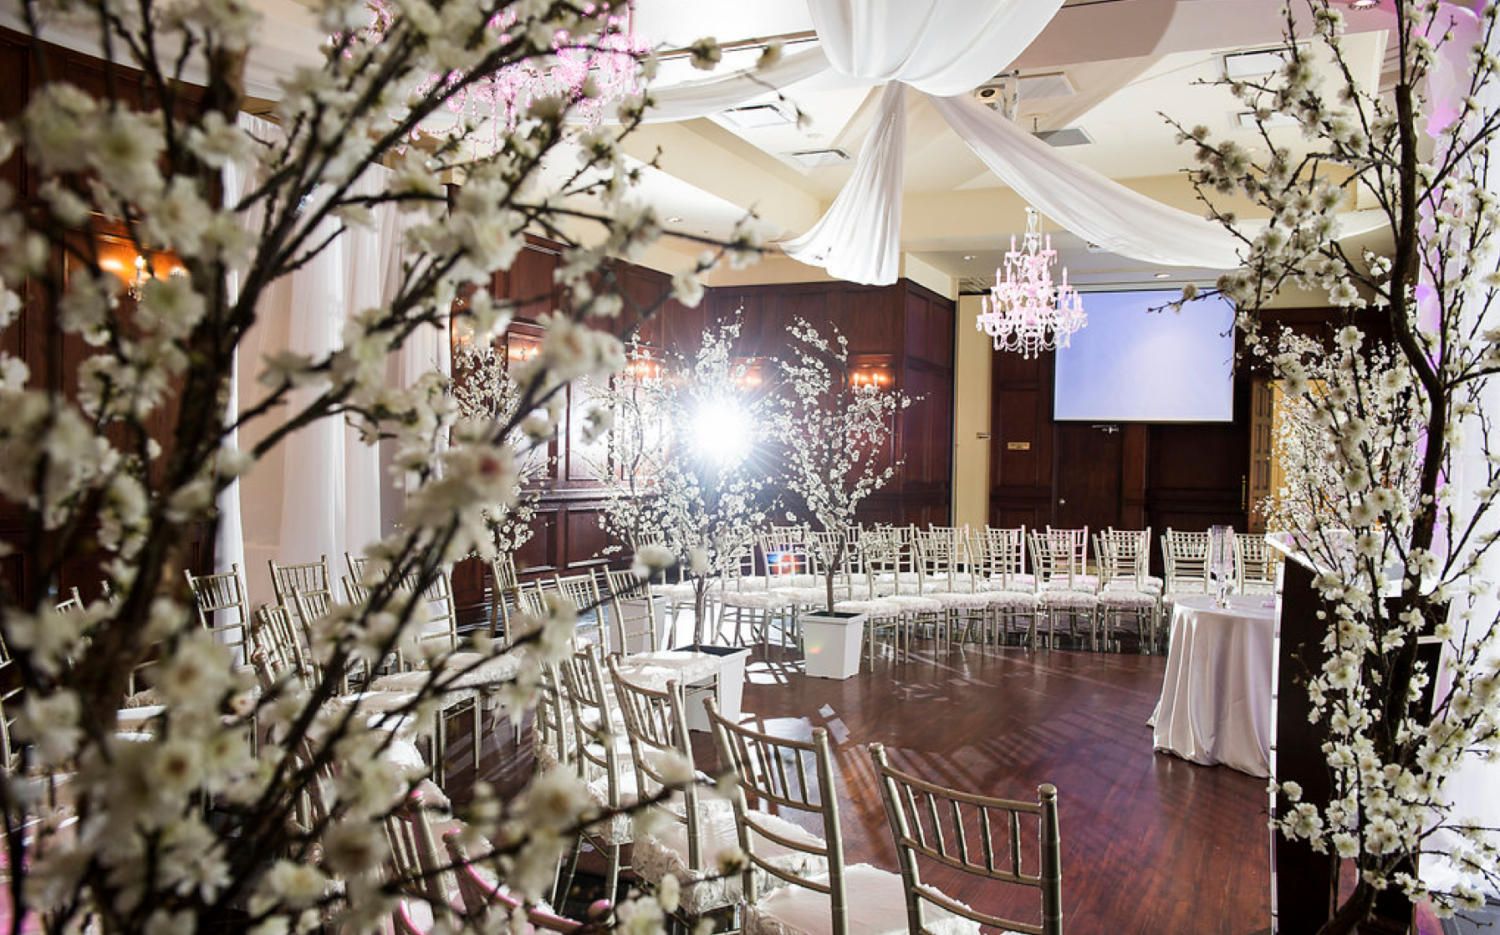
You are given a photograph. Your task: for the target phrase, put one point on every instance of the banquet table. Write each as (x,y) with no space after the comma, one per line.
(1215,702)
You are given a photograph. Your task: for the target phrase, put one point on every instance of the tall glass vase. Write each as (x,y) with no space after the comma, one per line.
(1221,562)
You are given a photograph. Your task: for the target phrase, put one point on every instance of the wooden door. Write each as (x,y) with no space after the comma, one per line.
(1086,475)
(1262,445)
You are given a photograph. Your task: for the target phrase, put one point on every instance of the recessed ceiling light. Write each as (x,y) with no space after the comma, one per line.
(1363,4)
(968,256)
(1163,275)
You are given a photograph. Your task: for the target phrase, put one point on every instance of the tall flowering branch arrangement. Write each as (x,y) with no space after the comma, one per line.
(189,822)
(832,429)
(686,484)
(487,394)
(1392,461)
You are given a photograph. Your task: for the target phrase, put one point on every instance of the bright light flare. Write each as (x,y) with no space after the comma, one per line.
(721,432)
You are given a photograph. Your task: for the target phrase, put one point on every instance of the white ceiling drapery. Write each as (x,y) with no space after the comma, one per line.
(945,48)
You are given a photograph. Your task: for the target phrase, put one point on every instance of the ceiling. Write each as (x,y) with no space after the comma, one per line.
(1108,68)
(1113,69)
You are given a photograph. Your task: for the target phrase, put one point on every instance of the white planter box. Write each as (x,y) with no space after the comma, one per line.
(728,686)
(831,644)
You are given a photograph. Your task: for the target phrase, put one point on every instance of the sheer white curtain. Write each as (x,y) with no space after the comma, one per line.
(937,46)
(322,490)
(1095,208)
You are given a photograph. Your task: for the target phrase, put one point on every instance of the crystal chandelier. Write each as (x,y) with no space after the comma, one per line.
(1025,311)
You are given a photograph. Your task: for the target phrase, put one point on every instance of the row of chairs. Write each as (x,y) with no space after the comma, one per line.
(629,743)
(960,583)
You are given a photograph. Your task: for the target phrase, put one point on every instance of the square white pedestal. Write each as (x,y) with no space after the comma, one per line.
(831,644)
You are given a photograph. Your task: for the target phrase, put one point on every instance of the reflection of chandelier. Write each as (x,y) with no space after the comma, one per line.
(1025,311)
(590,73)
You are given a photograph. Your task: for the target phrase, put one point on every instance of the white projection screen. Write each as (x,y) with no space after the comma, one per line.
(1129,364)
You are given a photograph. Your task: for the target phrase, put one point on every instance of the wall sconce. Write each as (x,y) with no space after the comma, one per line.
(518,353)
(749,377)
(643,366)
(869,376)
(139,270)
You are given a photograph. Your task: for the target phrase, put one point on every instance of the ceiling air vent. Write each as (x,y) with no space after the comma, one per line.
(1254,63)
(1067,136)
(752,116)
(1046,87)
(818,158)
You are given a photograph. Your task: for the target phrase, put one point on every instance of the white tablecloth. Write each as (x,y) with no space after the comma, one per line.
(1215,702)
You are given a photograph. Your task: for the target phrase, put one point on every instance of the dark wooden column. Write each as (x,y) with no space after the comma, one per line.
(1302,881)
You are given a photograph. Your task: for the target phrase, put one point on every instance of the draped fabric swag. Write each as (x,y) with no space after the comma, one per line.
(943,49)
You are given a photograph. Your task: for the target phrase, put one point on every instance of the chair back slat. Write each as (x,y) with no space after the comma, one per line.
(931,824)
(582,591)
(310,579)
(763,783)
(656,723)
(593,719)
(1254,563)
(1185,557)
(222,608)
(505,587)
(632,612)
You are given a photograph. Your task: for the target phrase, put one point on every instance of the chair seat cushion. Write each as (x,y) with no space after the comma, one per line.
(961,600)
(1067,599)
(1117,597)
(875,608)
(1011,600)
(915,604)
(877,906)
(754,600)
(806,594)
(665,853)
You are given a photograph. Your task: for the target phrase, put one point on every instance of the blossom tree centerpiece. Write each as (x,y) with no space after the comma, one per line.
(487,394)
(832,428)
(1392,479)
(686,487)
(189,823)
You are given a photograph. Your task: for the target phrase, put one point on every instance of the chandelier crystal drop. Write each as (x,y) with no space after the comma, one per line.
(1025,310)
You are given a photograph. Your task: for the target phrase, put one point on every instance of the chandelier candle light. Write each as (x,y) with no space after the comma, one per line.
(1025,311)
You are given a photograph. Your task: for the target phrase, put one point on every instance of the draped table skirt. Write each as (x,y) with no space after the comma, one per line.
(1215,702)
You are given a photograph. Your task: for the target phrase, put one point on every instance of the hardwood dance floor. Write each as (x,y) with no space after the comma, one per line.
(1150,843)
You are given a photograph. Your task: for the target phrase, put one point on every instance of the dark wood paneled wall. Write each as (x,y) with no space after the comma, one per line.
(52,357)
(1130,475)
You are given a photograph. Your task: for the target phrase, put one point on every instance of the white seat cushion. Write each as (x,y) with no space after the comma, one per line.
(1012,600)
(1067,600)
(961,600)
(915,604)
(665,852)
(1119,597)
(877,906)
(875,608)
(754,600)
